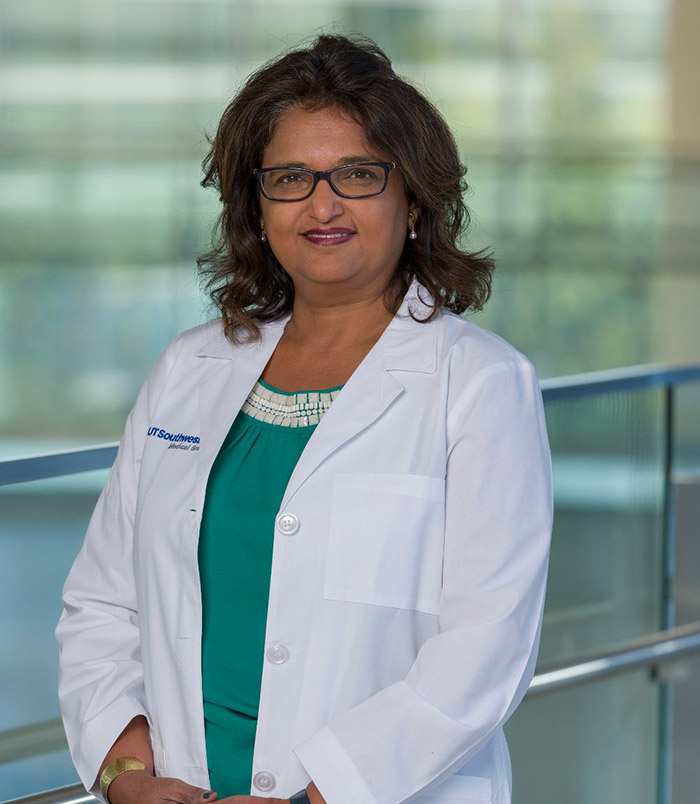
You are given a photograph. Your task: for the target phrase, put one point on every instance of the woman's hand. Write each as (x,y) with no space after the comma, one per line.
(141,787)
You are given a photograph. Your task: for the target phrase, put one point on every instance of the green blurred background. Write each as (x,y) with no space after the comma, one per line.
(563,110)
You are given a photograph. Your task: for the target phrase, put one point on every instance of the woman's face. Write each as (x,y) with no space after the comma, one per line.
(377,226)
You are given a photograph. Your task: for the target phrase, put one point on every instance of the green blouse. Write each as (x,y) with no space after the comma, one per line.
(244,492)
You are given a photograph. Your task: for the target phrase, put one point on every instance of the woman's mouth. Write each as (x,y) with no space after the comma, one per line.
(328,237)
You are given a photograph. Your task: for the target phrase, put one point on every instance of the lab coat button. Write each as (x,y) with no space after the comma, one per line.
(277,654)
(288,523)
(264,781)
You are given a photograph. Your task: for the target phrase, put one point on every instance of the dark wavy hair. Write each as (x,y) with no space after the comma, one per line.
(245,280)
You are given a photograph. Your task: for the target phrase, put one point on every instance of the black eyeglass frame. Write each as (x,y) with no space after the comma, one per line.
(317,175)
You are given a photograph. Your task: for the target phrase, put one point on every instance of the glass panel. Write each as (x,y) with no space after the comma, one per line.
(587,745)
(606,561)
(43,772)
(685,675)
(687,428)
(41,530)
(686,734)
(687,549)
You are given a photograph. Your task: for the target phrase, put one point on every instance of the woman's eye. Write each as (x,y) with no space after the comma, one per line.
(361,175)
(289,178)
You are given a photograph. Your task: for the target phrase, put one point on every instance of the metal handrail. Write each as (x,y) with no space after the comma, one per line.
(31,741)
(573,386)
(57,464)
(592,383)
(649,651)
(74,794)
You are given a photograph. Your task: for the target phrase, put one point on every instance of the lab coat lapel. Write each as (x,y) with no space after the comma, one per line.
(405,345)
(365,396)
(234,372)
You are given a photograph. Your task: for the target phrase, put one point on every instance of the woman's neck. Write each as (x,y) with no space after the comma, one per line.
(336,326)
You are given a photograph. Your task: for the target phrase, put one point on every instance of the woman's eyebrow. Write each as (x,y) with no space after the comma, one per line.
(344,160)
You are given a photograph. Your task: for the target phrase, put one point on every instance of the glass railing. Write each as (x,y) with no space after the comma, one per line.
(609,715)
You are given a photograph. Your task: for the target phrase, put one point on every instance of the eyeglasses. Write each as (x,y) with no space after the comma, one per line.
(359,180)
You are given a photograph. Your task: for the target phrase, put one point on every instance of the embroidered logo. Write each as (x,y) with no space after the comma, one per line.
(178,440)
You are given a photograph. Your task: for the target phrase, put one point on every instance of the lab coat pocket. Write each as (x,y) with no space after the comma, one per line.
(386,540)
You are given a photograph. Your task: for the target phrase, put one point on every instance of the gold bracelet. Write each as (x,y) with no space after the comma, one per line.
(110,773)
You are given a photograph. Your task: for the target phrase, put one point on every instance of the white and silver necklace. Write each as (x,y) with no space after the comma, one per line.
(300,409)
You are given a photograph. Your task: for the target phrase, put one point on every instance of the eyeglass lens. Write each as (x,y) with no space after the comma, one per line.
(356,180)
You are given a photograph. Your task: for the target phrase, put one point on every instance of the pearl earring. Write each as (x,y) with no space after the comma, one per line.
(413,234)
(263,236)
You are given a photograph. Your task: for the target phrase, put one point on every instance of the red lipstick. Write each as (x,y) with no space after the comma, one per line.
(328,237)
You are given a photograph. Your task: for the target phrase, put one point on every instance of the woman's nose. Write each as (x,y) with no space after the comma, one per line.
(325,203)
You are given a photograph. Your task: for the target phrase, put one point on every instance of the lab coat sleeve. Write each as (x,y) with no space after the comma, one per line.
(100,684)
(468,679)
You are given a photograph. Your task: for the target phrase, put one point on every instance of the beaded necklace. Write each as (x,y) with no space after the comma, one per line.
(299,409)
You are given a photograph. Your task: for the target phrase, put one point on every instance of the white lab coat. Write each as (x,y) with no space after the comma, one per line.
(408,571)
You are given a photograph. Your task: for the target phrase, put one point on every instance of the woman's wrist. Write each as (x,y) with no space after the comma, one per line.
(116,769)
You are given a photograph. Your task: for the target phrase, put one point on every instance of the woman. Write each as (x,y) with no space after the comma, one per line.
(317,569)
